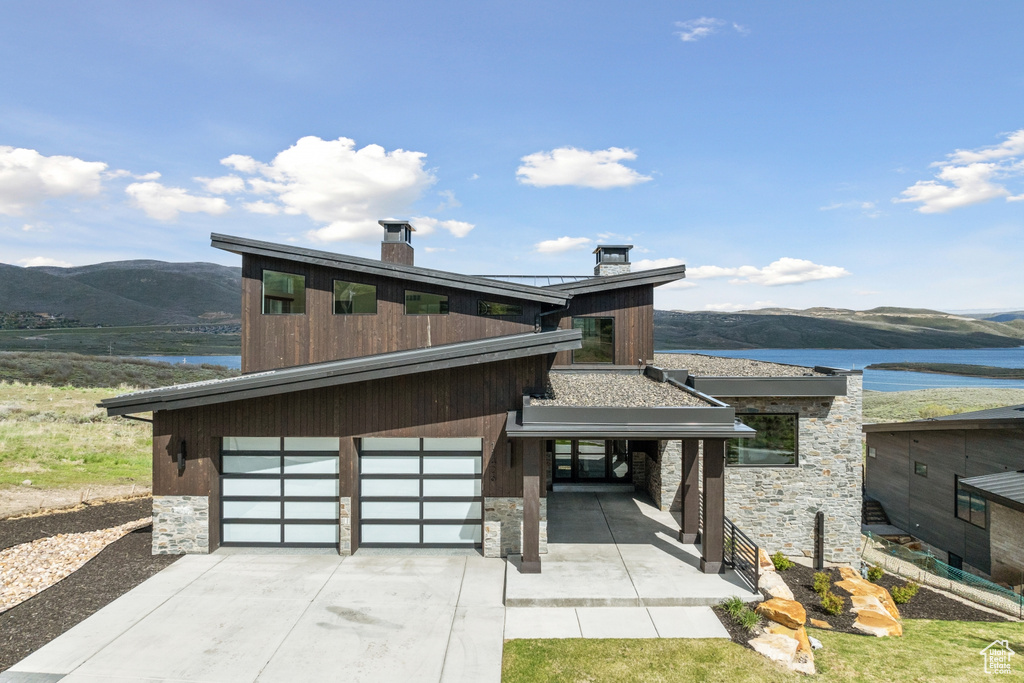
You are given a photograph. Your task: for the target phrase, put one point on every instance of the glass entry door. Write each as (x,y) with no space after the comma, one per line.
(591,460)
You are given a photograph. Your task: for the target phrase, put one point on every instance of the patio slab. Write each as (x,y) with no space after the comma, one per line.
(612,622)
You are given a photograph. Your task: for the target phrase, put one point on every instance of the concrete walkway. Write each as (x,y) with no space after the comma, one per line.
(243,618)
(617,550)
(612,622)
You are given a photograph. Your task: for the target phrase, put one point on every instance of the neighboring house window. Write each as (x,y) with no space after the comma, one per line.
(421,303)
(283,293)
(920,469)
(774,445)
(872,453)
(351,298)
(970,507)
(495,309)
(598,340)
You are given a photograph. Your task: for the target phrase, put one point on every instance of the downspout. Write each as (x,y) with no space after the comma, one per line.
(561,309)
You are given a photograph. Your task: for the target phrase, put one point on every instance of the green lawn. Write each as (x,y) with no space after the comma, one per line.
(928,651)
(898,406)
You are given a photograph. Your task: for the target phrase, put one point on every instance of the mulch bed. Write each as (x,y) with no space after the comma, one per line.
(117,569)
(90,518)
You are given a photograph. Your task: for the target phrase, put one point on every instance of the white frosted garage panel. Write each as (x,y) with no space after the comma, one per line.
(389,533)
(312,443)
(251,509)
(389,464)
(452,533)
(473,443)
(310,510)
(250,464)
(311,533)
(251,487)
(389,444)
(310,464)
(451,487)
(252,533)
(406,488)
(451,464)
(382,510)
(251,443)
(452,510)
(311,487)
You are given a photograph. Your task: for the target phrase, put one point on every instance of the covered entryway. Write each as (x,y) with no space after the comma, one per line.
(590,461)
(420,492)
(279,492)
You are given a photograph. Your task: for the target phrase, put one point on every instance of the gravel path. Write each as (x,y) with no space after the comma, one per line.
(616,389)
(717,366)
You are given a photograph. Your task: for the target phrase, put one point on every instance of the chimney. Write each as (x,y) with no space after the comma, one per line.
(397,247)
(612,259)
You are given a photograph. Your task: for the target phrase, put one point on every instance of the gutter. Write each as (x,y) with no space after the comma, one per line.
(537,327)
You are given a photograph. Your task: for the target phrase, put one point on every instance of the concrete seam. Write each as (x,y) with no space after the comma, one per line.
(639,600)
(653,623)
(579,624)
(455,613)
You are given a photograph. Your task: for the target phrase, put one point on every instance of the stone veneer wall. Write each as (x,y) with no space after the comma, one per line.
(345,526)
(665,477)
(639,471)
(503,526)
(181,525)
(1005,532)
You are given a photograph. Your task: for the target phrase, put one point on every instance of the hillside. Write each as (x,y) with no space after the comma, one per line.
(830,328)
(126,293)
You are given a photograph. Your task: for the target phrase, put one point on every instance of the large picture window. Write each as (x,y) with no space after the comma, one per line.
(598,340)
(352,298)
(422,303)
(775,444)
(497,309)
(283,293)
(970,507)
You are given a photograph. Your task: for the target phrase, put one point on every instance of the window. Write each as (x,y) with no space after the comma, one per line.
(872,453)
(774,445)
(970,507)
(920,469)
(283,293)
(494,308)
(598,340)
(352,298)
(421,303)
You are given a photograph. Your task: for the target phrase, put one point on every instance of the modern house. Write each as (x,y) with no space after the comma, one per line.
(383,404)
(957,484)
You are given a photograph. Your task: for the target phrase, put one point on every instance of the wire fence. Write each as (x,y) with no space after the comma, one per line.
(927,570)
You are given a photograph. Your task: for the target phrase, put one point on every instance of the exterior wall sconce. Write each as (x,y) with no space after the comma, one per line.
(181,458)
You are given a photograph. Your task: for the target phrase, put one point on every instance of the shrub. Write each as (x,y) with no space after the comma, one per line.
(781,562)
(832,603)
(733,606)
(822,583)
(903,594)
(875,573)
(748,619)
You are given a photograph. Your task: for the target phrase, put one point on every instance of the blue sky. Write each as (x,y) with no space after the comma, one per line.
(791,154)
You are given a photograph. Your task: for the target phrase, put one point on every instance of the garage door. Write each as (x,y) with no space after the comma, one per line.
(420,493)
(279,492)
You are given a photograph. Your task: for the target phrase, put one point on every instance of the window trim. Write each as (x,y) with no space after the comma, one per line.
(334,294)
(921,469)
(796,441)
(263,291)
(405,302)
(572,324)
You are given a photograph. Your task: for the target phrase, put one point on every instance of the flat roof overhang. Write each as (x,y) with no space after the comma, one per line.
(942,425)
(1004,488)
(670,422)
(751,387)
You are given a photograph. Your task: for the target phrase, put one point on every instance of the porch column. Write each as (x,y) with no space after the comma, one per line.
(531,507)
(711,539)
(690,529)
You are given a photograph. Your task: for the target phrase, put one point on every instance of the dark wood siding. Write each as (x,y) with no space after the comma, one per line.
(633,311)
(470,401)
(887,478)
(318,335)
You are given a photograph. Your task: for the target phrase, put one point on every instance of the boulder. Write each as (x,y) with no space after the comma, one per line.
(803,662)
(856,586)
(815,643)
(775,647)
(773,584)
(876,623)
(764,562)
(818,623)
(863,602)
(849,573)
(786,612)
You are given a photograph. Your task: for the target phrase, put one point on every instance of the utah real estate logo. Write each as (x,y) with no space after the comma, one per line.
(997,657)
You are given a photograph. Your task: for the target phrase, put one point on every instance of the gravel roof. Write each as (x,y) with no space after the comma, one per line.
(716,366)
(616,389)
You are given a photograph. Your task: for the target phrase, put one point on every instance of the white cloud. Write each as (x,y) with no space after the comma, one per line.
(44,261)
(334,183)
(599,169)
(475,176)
(866,208)
(562,244)
(225,184)
(28,178)
(725,308)
(649,263)
(155,175)
(970,177)
(448,201)
(692,30)
(426,226)
(165,203)
(785,271)
(266,208)
(432,250)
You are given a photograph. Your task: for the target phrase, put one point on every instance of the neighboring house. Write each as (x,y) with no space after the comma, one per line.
(388,405)
(956,483)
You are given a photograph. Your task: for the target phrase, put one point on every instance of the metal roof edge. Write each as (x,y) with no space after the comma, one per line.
(653,277)
(942,425)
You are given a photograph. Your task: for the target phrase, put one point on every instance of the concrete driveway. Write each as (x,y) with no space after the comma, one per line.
(242,617)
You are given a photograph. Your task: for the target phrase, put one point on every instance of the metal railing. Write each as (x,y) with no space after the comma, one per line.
(926,569)
(741,554)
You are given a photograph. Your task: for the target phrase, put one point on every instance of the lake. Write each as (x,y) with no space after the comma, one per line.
(854,359)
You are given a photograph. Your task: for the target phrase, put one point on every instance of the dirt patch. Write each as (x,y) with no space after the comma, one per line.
(88,518)
(21,500)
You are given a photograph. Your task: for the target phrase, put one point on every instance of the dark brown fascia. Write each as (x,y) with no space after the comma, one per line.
(653,277)
(438,278)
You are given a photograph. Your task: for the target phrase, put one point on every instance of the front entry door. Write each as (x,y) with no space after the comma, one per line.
(591,460)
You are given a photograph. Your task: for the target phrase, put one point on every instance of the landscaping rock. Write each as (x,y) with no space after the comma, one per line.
(857,586)
(818,623)
(797,634)
(803,663)
(877,624)
(773,584)
(786,612)
(775,647)
(815,643)
(764,562)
